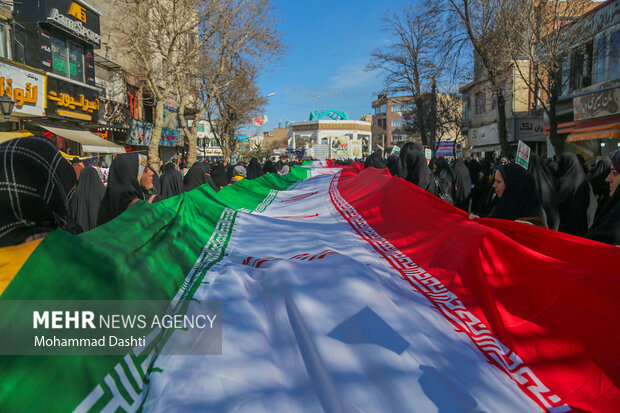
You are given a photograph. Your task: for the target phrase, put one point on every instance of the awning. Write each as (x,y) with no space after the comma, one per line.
(89,141)
(596,129)
(563,128)
(102,149)
(7,136)
(68,156)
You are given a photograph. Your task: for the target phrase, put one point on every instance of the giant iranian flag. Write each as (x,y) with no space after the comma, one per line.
(342,290)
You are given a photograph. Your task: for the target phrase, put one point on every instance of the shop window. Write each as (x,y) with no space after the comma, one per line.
(614,56)
(466,107)
(67,59)
(5,49)
(76,62)
(59,57)
(601,58)
(607,57)
(480,102)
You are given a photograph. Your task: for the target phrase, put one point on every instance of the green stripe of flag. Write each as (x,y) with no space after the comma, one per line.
(146,253)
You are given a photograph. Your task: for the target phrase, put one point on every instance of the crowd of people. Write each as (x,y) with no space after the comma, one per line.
(41,191)
(561,193)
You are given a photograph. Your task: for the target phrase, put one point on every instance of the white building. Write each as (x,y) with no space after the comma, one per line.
(331,139)
(207,146)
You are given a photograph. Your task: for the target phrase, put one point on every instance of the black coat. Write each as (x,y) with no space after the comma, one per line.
(573,194)
(85,204)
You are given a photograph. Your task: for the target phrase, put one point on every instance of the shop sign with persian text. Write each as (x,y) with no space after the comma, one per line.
(25,87)
(597,105)
(68,100)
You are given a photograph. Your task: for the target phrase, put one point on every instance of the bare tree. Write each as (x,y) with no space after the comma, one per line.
(237,35)
(156,35)
(541,39)
(486,25)
(234,106)
(184,47)
(412,63)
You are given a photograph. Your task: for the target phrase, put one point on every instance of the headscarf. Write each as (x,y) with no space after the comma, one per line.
(169,166)
(462,185)
(84,206)
(545,187)
(606,226)
(254,170)
(219,176)
(239,173)
(614,157)
(375,161)
(418,172)
(520,198)
(197,175)
(171,183)
(446,178)
(573,194)
(240,170)
(37,183)
(392,164)
(597,177)
(269,167)
(123,186)
(403,167)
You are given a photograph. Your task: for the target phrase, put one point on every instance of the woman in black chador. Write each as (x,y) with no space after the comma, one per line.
(517,195)
(130,180)
(197,175)
(462,185)
(606,226)
(418,172)
(375,161)
(84,206)
(446,179)
(171,182)
(545,186)
(573,194)
(254,170)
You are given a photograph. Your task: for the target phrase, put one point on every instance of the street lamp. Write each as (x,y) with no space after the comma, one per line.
(6,106)
(271,94)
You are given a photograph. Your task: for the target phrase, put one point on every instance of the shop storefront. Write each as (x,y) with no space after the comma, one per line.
(596,130)
(59,37)
(26,87)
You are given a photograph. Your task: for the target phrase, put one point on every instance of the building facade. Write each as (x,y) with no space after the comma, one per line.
(588,109)
(57,39)
(390,115)
(523,121)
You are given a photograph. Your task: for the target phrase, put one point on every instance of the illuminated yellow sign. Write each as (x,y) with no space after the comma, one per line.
(67,101)
(20,96)
(74,115)
(78,12)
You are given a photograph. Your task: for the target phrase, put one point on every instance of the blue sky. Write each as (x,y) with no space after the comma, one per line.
(330,43)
